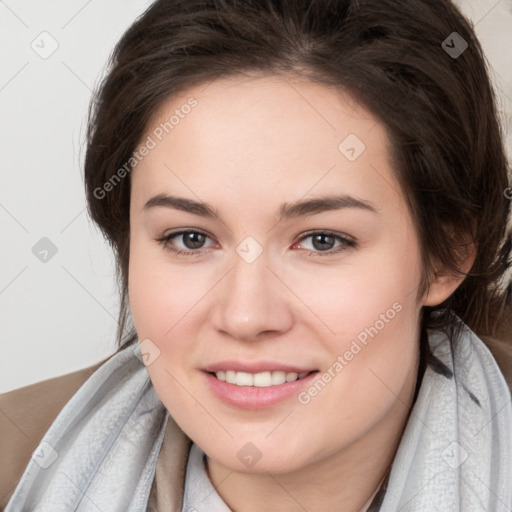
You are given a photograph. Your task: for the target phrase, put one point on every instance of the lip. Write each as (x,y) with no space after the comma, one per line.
(253,397)
(254,367)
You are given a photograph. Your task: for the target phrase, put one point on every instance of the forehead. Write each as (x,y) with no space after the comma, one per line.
(257,137)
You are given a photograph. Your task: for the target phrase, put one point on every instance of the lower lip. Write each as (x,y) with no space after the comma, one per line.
(253,397)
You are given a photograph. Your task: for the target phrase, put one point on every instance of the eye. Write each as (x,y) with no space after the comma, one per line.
(192,241)
(323,243)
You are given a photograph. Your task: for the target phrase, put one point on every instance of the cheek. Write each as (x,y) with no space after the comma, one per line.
(153,301)
(378,292)
(372,313)
(159,293)
(159,303)
(372,358)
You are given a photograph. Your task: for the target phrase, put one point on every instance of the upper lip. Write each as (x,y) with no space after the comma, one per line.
(254,367)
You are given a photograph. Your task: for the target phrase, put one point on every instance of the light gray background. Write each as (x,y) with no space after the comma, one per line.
(60,315)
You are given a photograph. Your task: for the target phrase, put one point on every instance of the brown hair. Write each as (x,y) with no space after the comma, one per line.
(438,109)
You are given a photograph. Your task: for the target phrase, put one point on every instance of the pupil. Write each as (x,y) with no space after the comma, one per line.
(192,242)
(324,241)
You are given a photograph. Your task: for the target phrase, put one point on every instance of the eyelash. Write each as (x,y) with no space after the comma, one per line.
(347,243)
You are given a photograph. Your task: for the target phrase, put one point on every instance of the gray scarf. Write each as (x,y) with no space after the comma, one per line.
(455,454)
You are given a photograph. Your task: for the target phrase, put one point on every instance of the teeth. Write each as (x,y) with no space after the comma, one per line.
(244,379)
(278,378)
(260,380)
(290,377)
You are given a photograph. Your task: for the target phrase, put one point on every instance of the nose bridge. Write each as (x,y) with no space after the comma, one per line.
(253,300)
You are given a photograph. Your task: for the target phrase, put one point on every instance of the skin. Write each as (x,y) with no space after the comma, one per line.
(250,145)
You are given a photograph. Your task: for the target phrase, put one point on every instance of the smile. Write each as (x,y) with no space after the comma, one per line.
(261,380)
(258,390)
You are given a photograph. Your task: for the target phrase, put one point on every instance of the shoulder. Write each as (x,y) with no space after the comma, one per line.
(25,416)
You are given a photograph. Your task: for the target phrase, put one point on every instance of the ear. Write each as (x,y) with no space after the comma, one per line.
(444,282)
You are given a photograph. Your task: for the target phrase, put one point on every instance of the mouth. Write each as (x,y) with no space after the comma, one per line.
(263,379)
(257,389)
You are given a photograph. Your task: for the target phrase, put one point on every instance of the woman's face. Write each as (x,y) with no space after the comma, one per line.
(304,260)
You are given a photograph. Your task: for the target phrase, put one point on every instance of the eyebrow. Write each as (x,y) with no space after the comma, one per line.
(300,208)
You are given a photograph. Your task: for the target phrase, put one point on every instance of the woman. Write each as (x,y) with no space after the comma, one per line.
(307,201)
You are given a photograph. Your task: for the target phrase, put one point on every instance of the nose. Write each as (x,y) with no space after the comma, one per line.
(253,302)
